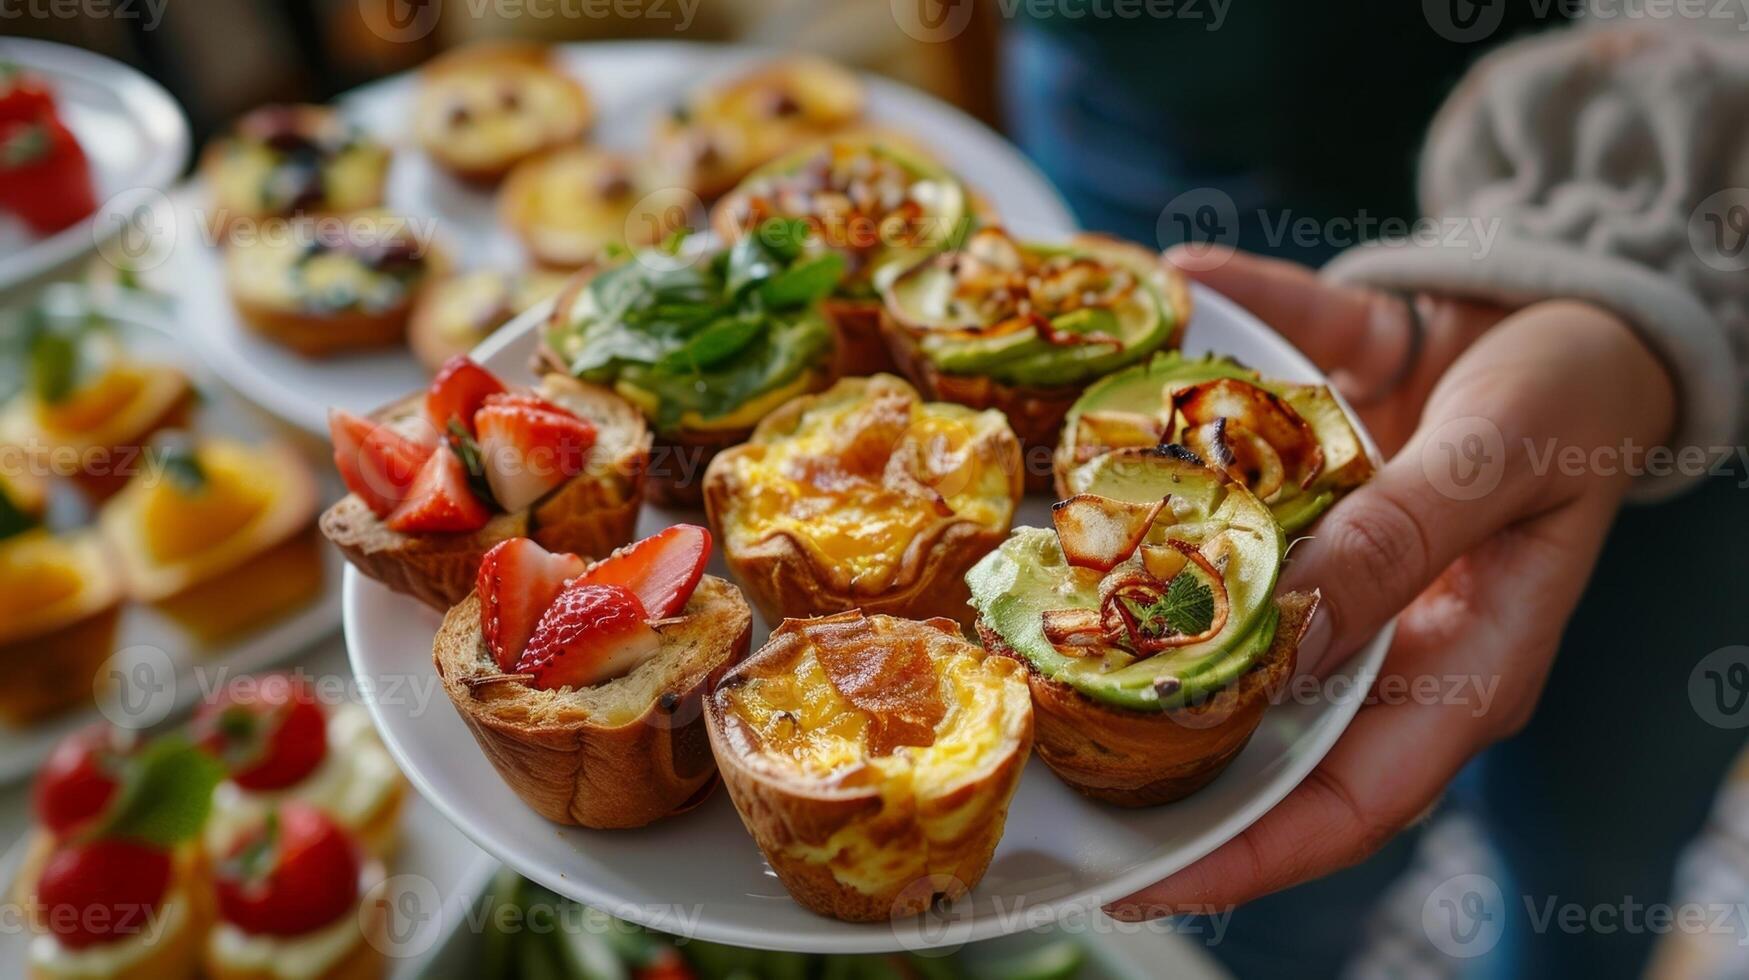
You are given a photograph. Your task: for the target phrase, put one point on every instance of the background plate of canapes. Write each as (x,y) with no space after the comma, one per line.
(163,658)
(131,130)
(632,85)
(700,870)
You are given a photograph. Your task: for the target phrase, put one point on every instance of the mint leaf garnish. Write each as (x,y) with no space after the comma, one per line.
(1188,606)
(166,794)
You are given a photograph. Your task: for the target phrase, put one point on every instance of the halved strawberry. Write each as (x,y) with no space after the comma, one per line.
(100,891)
(292,875)
(458,391)
(529,446)
(80,777)
(377,463)
(518,580)
(270,733)
(591,633)
(662,569)
(439,499)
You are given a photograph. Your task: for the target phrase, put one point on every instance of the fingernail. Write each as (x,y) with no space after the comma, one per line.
(1315,645)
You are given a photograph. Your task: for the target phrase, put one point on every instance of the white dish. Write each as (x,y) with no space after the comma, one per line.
(632,83)
(162,671)
(131,130)
(1060,852)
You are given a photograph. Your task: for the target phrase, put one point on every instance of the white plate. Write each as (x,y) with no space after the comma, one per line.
(632,83)
(1060,852)
(161,672)
(132,131)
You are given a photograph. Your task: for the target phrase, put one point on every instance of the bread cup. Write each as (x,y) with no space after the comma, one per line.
(574,204)
(284,161)
(705,344)
(483,108)
(864,496)
(875,198)
(454,314)
(622,752)
(590,513)
(168,950)
(1023,327)
(1290,444)
(873,759)
(60,598)
(1148,624)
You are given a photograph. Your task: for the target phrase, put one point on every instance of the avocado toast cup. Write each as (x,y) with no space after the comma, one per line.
(1291,444)
(874,198)
(1148,623)
(705,344)
(1024,327)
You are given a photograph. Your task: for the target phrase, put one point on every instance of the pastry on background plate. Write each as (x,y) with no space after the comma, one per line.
(864,496)
(725,129)
(283,161)
(1148,623)
(60,598)
(872,759)
(582,683)
(572,206)
(440,478)
(1290,444)
(330,286)
(453,315)
(483,108)
(705,344)
(1024,327)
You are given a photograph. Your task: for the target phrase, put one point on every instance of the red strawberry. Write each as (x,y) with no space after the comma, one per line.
(294,874)
(79,778)
(518,580)
(662,569)
(270,732)
(440,499)
(591,633)
(103,890)
(377,463)
(529,446)
(457,392)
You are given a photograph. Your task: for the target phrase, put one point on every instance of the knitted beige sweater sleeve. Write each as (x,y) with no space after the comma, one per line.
(1610,165)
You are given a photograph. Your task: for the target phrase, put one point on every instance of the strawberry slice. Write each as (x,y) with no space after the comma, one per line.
(518,580)
(377,463)
(270,733)
(591,633)
(80,777)
(102,891)
(663,569)
(294,874)
(529,446)
(458,391)
(439,499)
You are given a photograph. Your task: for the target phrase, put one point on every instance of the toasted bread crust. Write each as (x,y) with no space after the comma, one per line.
(572,768)
(593,513)
(1137,759)
(859,349)
(52,672)
(175,956)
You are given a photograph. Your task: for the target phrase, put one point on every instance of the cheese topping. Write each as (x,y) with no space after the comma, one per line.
(498,109)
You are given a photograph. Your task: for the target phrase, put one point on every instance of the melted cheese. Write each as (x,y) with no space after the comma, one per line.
(495,111)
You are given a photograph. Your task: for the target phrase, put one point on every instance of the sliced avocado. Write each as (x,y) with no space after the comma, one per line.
(1014,585)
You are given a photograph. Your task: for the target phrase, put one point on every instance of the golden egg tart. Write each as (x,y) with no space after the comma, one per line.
(329,286)
(484,108)
(283,161)
(864,496)
(873,759)
(719,134)
(1290,444)
(59,601)
(218,534)
(570,206)
(454,314)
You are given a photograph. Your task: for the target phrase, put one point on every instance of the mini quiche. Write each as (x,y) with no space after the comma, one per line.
(1290,444)
(1147,622)
(864,496)
(282,161)
(218,534)
(453,315)
(1023,326)
(573,205)
(875,200)
(705,345)
(724,130)
(59,602)
(89,410)
(873,759)
(329,286)
(484,108)
(583,683)
(439,478)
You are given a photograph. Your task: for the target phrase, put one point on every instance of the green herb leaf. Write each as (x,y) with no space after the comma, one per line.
(54,365)
(474,461)
(182,465)
(803,283)
(166,794)
(13,520)
(1188,606)
(749,265)
(719,342)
